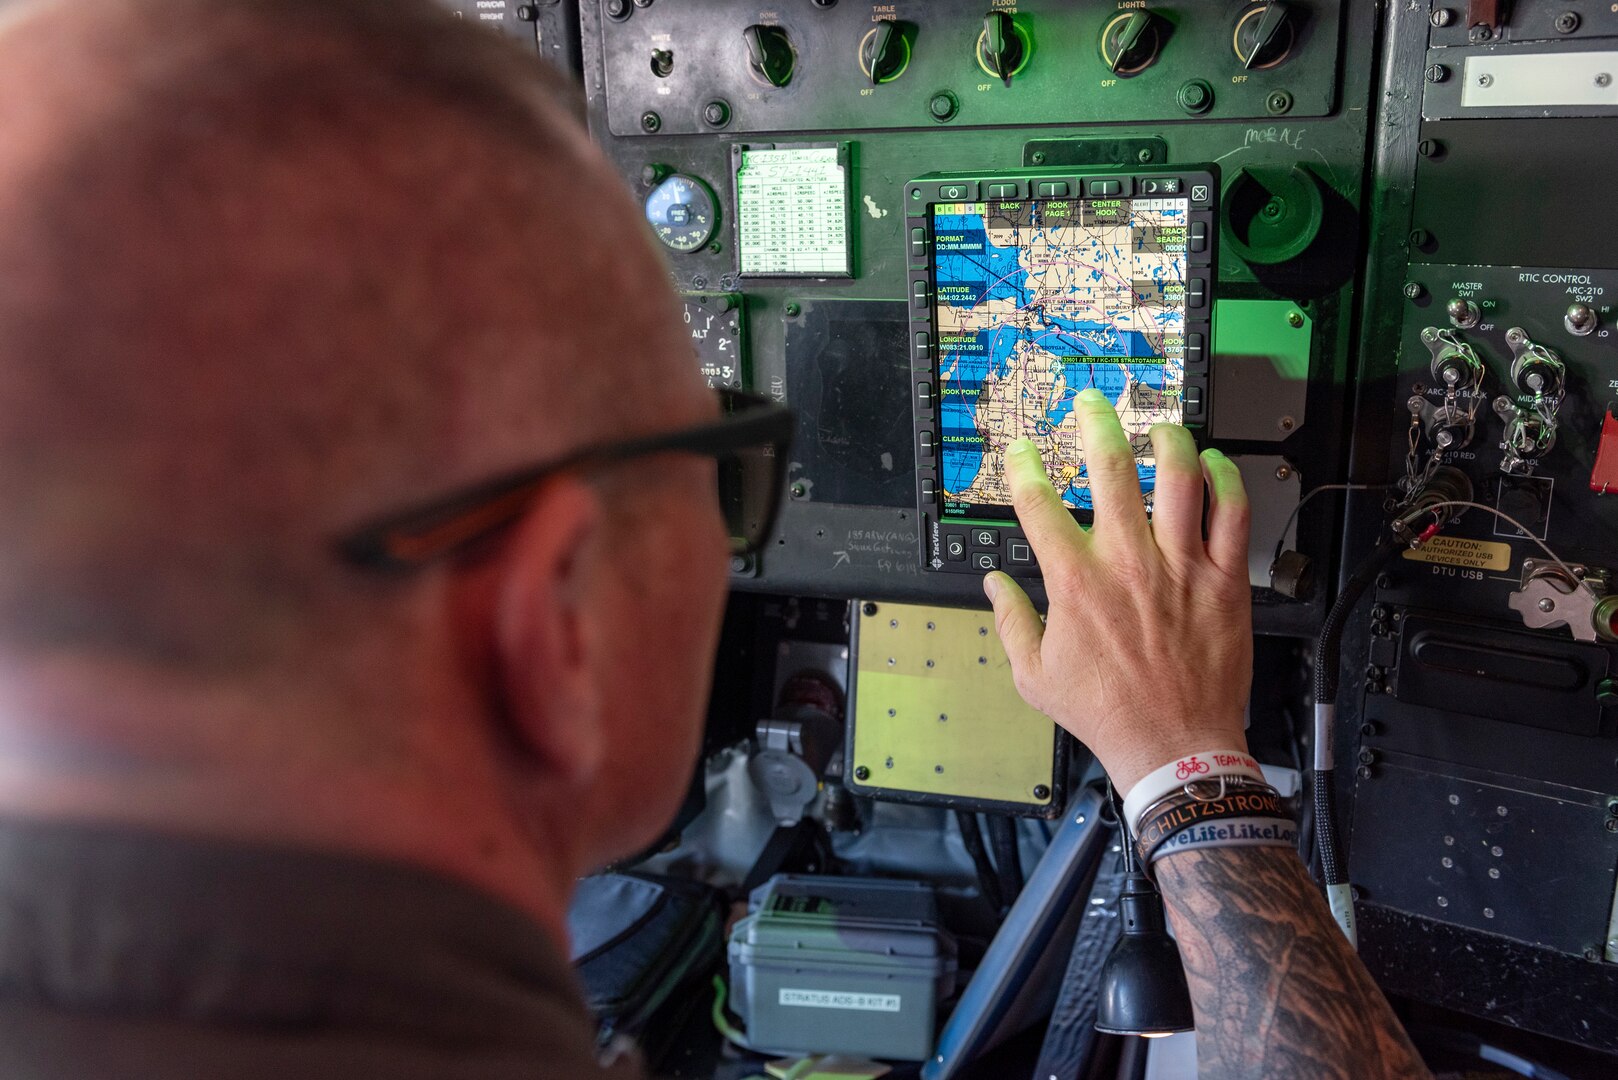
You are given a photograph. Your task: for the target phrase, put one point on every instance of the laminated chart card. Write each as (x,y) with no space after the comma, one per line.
(792,210)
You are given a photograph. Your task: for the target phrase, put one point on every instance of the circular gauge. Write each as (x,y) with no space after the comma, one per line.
(682,212)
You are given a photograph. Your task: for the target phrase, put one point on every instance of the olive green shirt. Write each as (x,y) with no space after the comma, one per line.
(128,954)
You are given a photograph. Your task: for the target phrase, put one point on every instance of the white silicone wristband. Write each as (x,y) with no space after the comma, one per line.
(1203,765)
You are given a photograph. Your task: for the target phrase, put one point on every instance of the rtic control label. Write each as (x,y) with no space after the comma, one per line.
(1459,551)
(840,999)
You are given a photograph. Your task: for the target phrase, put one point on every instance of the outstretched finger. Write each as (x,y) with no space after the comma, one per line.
(1020,627)
(1049,525)
(1110,462)
(1177,496)
(1228,513)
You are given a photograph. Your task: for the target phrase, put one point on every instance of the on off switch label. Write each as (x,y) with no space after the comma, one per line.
(1460,551)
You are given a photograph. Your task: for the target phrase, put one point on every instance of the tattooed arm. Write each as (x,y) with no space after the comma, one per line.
(1146,655)
(1276,989)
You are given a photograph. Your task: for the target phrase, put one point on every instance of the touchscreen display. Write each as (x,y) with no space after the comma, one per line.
(1038,300)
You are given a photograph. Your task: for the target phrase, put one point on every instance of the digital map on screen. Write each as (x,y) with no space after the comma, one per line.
(1038,300)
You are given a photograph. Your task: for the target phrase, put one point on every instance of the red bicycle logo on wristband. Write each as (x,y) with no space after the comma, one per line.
(1189,767)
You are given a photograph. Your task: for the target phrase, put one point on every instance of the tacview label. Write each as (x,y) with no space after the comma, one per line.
(1459,551)
(840,999)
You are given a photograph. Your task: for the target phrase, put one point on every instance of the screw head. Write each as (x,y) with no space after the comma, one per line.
(1420,238)
(650,121)
(1442,17)
(1278,103)
(799,490)
(792,310)
(943,106)
(1567,22)
(1295,319)
(528,13)
(1414,290)
(1429,148)
(716,113)
(1479,33)
(1368,728)
(1363,772)
(1037,157)
(1367,757)
(618,9)
(1592,954)
(868,609)
(1283,472)
(1437,73)
(1041,791)
(862,773)
(1611,825)
(1485,79)
(1144,156)
(1603,79)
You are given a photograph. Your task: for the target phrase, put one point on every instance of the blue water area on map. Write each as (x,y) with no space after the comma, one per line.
(970,271)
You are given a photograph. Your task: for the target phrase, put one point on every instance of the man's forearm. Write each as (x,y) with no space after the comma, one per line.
(1277,990)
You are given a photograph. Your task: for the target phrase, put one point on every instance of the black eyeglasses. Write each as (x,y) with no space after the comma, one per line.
(750,443)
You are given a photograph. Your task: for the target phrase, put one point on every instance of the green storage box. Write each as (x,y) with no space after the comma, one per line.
(828,965)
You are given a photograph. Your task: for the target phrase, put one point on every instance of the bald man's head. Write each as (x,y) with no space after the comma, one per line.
(268,268)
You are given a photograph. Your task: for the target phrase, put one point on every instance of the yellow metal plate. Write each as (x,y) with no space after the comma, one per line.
(1463,551)
(936,712)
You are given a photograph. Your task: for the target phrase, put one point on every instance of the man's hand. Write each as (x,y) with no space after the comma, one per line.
(1147,653)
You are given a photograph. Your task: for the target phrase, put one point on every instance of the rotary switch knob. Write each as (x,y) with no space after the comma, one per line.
(1003,47)
(1264,35)
(1130,42)
(885,52)
(770,56)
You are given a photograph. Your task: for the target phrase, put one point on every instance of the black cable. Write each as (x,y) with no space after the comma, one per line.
(972,837)
(1007,859)
(1328,657)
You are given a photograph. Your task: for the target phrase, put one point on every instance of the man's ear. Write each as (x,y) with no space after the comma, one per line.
(547,631)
